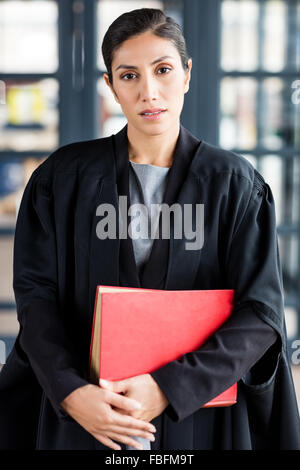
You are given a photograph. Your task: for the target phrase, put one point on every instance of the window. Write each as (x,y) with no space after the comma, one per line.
(259,114)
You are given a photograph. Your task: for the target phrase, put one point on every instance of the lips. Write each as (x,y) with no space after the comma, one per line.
(150,112)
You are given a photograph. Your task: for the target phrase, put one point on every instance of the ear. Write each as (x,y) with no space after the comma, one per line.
(187,76)
(106,78)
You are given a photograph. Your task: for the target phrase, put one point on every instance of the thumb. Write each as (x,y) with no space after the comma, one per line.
(118,386)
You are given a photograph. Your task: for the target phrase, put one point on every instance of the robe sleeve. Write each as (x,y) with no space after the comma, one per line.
(247,345)
(42,334)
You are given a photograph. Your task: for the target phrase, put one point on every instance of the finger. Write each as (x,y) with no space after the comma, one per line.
(129,441)
(132,423)
(107,442)
(117,386)
(120,401)
(132,432)
(133,413)
(138,414)
(122,412)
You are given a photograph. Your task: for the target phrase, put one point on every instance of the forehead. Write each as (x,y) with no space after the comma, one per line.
(144,48)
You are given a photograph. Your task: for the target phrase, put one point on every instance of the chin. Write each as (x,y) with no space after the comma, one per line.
(152,129)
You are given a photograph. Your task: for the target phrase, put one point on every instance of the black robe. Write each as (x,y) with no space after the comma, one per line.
(59,261)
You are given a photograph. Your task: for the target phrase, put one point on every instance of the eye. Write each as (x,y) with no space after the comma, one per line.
(164,68)
(126,75)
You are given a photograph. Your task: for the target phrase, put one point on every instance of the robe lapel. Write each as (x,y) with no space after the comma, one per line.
(104,254)
(128,273)
(183,263)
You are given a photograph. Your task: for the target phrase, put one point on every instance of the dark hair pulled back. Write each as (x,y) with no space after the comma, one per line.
(136,22)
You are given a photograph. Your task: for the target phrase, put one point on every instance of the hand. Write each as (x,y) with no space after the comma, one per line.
(143,389)
(92,408)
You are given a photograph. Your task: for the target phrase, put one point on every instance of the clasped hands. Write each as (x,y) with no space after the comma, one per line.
(118,410)
(144,390)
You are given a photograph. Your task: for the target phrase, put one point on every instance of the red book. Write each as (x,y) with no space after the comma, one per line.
(136,331)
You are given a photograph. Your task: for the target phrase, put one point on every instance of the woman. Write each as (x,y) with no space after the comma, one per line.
(46,399)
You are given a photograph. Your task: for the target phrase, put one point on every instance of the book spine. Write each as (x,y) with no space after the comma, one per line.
(93,326)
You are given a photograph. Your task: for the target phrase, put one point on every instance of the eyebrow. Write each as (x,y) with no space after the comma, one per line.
(123,66)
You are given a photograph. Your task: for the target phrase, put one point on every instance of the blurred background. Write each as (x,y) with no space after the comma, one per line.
(244,96)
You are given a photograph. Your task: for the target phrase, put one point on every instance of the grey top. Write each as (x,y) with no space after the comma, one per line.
(147,184)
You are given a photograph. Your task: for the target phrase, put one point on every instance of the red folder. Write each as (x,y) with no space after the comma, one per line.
(136,331)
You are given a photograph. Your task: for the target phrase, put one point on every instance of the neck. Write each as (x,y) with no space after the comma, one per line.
(152,149)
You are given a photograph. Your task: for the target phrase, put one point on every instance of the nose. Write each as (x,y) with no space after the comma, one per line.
(148,88)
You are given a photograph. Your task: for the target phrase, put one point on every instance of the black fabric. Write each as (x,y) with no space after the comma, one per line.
(59,261)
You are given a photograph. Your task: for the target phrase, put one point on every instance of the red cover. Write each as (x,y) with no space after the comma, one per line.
(145,329)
